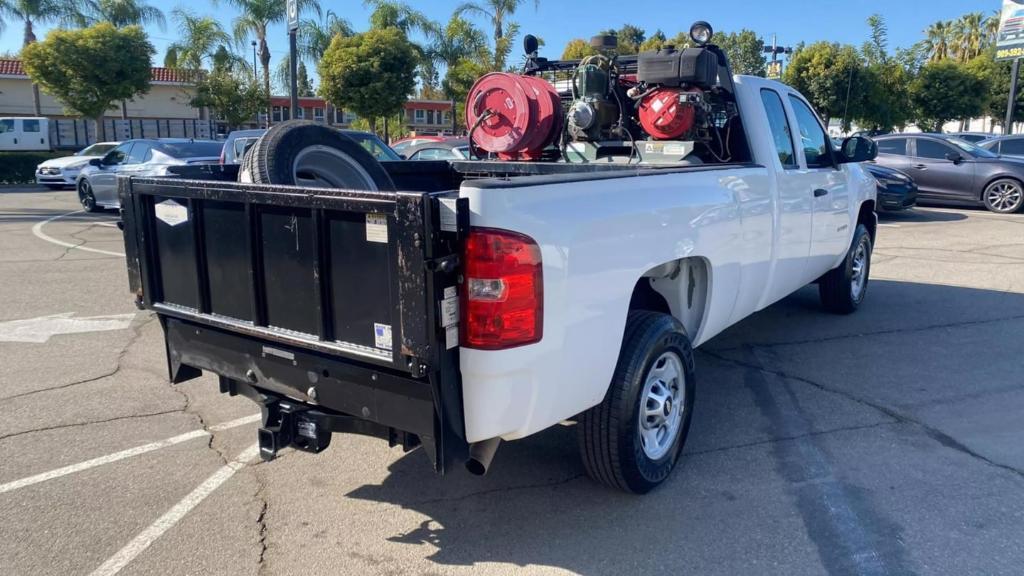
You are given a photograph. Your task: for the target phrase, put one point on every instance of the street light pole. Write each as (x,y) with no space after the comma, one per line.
(292,7)
(1012,104)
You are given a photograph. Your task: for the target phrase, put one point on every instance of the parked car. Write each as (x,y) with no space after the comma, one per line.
(950,170)
(451,310)
(896,190)
(453,149)
(237,143)
(60,172)
(972,137)
(401,145)
(97,182)
(24,134)
(240,140)
(1012,145)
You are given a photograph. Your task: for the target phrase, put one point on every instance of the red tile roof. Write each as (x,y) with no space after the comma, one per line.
(11,67)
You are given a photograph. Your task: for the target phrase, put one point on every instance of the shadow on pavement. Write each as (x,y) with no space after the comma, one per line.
(768,481)
(919,215)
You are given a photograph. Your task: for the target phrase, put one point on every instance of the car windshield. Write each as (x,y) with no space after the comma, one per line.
(971,148)
(97,150)
(191,149)
(374,145)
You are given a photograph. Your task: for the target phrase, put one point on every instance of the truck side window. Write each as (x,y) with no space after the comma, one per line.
(779,125)
(812,137)
(6,125)
(30,125)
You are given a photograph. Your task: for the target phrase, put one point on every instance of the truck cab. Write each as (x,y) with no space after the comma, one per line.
(28,134)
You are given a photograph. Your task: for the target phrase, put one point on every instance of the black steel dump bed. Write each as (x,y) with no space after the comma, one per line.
(335,310)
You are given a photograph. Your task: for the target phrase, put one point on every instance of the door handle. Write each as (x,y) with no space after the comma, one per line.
(920,166)
(820,192)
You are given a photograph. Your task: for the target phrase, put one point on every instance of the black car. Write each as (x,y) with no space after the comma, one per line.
(896,190)
(950,170)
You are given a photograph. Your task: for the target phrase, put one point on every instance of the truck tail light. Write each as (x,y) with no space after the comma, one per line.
(504,290)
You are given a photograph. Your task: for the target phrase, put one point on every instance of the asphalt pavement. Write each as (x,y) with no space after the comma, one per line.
(887,442)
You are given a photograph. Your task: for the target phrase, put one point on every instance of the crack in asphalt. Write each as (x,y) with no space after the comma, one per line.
(933,433)
(779,439)
(91,422)
(962,324)
(261,522)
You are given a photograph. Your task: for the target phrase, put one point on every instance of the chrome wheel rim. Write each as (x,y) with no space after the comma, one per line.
(1004,196)
(859,269)
(662,405)
(86,197)
(326,167)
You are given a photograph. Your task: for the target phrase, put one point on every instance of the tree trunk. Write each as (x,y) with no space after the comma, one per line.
(101,130)
(29,38)
(265,60)
(373,124)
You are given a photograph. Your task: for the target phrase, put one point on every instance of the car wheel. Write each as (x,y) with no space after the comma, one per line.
(1003,196)
(86,197)
(632,439)
(844,287)
(303,153)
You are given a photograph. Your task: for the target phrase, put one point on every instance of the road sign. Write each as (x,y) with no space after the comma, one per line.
(775,70)
(1010,39)
(293,15)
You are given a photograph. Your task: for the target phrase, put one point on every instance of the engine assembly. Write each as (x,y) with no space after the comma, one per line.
(657,107)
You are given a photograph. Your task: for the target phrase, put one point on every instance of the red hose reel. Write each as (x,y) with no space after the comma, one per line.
(515,116)
(666,114)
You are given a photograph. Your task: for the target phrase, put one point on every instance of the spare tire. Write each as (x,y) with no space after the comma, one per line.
(304,153)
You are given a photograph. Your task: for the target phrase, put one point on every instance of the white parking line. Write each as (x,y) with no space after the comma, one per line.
(164,523)
(37,230)
(59,472)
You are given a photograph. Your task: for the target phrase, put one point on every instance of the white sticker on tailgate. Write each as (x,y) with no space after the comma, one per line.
(382,336)
(449,215)
(171,213)
(377,228)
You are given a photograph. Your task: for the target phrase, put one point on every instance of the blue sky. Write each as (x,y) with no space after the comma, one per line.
(558,21)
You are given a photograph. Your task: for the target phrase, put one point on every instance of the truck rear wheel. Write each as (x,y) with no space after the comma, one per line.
(843,288)
(632,440)
(303,153)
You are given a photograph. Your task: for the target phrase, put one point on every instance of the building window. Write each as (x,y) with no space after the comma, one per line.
(286,113)
(277,113)
(318,114)
(339,116)
(447,117)
(300,113)
(421,116)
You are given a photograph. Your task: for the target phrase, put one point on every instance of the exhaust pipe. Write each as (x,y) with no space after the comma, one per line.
(480,456)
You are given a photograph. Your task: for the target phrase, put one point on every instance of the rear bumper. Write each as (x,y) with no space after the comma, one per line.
(306,395)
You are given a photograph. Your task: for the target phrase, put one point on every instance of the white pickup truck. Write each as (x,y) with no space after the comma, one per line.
(453,305)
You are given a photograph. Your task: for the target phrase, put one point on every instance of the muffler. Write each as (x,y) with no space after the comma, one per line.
(480,456)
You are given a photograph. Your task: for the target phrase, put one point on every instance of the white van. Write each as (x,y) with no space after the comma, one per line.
(29,133)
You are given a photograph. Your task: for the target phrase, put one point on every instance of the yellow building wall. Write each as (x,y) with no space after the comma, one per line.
(162,101)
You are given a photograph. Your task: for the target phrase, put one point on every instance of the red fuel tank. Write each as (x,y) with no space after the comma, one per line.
(665,114)
(523,115)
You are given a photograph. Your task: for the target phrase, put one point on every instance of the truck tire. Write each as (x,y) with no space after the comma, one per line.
(304,153)
(632,439)
(843,288)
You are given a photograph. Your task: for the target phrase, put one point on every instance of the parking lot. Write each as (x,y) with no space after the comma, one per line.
(887,442)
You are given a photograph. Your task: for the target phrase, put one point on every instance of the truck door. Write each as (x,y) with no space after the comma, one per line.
(35,133)
(828,185)
(793,231)
(8,135)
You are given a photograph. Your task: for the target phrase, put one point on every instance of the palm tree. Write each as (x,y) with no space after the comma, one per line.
(397,14)
(991,27)
(32,12)
(258,15)
(123,13)
(939,37)
(497,11)
(315,35)
(201,40)
(453,43)
(969,39)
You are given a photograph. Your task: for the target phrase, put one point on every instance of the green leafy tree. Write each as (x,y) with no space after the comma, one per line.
(255,17)
(233,96)
(630,38)
(745,50)
(65,66)
(969,36)
(305,85)
(831,76)
(498,13)
(578,49)
(655,42)
(456,43)
(876,49)
(397,14)
(32,12)
(283,78)
(938,41)
(885,98)
(371,74)
(945,91)
(996,76)
(122,13)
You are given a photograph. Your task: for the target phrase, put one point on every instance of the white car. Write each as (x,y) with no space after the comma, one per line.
(60,172)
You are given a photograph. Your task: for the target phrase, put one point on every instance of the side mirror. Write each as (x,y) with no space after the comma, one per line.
(96,162)
(954,157)
(858,149)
